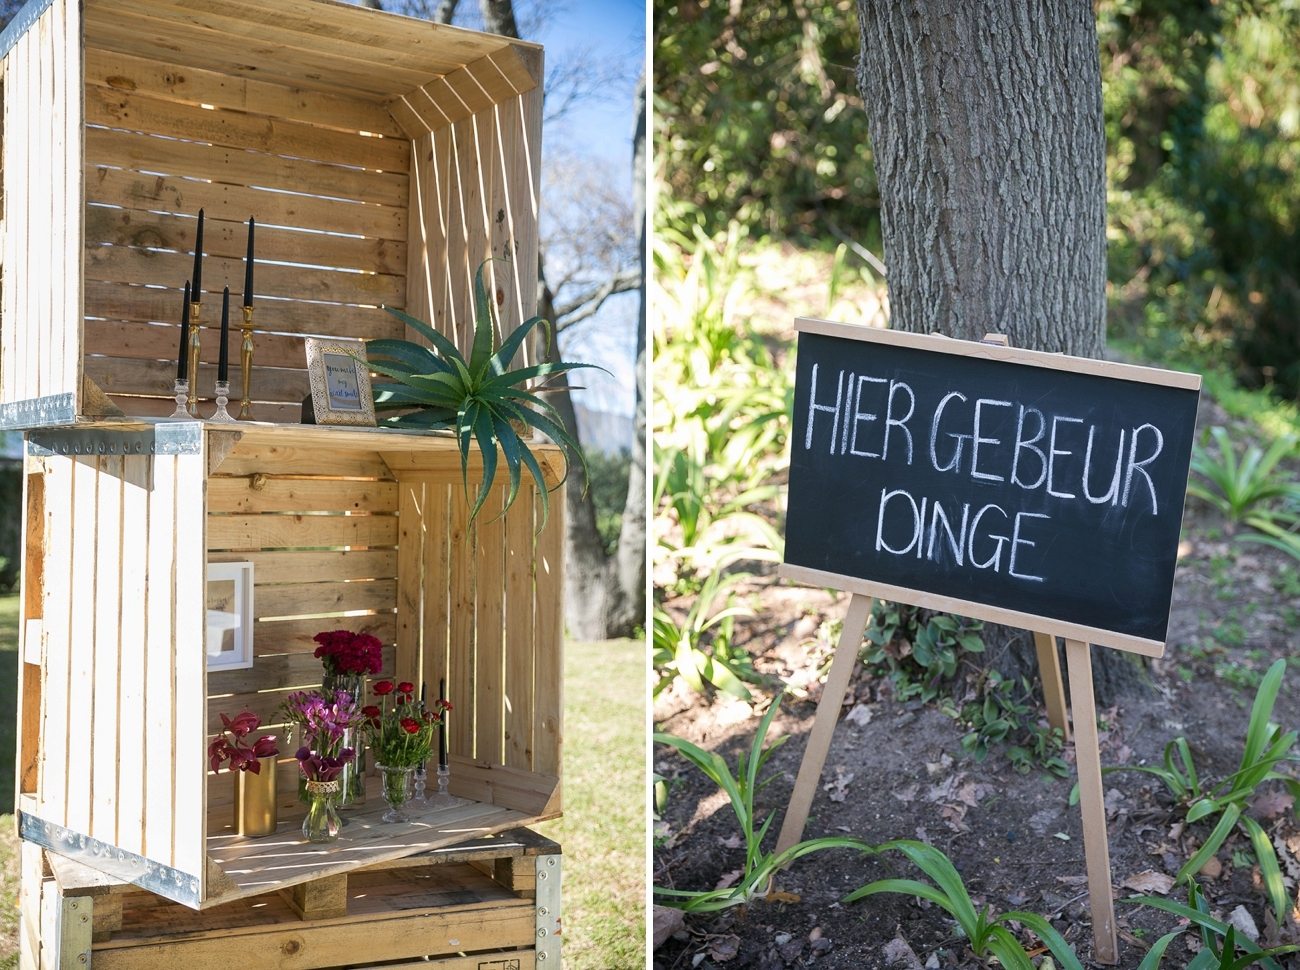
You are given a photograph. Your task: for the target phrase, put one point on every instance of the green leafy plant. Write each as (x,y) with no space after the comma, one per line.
(478,398)
(1000,717)
(1236,487)
(1279,528)
(678,650)
(919,655)
(741,788)
(1224,802)
(1213,955)
(987,935)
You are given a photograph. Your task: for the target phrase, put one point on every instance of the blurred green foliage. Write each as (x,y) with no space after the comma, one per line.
(607,479)
(759,121)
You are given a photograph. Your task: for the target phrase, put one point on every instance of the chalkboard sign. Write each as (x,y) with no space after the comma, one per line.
(1035,489)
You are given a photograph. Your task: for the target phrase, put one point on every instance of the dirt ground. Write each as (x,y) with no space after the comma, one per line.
(1017,843)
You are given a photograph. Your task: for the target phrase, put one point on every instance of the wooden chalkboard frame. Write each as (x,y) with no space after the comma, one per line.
(988,351)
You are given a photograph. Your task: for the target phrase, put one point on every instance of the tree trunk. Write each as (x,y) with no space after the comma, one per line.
(990,151)
(499,17)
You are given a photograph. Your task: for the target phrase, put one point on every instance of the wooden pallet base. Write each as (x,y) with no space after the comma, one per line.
(473,906)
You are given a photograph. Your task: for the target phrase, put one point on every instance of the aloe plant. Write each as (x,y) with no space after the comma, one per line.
(477,398)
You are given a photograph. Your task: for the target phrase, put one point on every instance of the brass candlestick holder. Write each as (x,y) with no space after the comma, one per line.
(195,309)
(246,363)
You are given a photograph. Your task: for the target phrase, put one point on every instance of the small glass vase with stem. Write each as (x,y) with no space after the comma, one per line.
(326,721)
(401,733)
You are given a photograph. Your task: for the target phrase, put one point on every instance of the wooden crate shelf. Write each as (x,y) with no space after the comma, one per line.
(487,903)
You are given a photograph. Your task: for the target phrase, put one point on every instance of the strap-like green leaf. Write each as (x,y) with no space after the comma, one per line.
(445,346)
(1008,949)
(1268,868)
(485,434)
(1226,821)
(1152,960)
(484,337)
(907,887)
(1047,933)
(506,352)
(419,358)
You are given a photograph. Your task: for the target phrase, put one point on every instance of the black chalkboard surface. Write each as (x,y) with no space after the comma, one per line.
(1002,484)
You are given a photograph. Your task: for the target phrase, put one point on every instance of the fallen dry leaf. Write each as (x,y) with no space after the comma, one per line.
(897,950)
(1149,881)
(776,896)
(731,843)
(1273,802)
(724,948)
(860,715)
(1212,869)
(905,795)
(667,921)
(838,785)
(729,879)
(1072,880)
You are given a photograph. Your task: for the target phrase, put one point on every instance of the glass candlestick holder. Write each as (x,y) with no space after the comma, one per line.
(182,391)
(444,798)
(421,776)
(223,396)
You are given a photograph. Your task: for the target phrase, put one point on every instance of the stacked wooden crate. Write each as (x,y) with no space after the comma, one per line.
(384,159)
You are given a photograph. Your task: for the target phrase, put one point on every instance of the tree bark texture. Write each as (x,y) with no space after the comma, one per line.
(989,143)
(990,150)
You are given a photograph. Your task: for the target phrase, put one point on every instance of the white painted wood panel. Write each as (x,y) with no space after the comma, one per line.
(106,608)
(52,783)
(159,704)
(135,594)
(191,666)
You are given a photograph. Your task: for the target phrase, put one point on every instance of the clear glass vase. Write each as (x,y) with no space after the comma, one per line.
(397,791)
(322,823)
(352,782)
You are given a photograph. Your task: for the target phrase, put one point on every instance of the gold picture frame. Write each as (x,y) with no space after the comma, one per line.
(340,381)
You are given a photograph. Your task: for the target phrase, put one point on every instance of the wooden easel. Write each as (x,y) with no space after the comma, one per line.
(1087,753)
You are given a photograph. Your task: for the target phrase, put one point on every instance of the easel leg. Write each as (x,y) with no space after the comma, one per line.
(828,713)
(1049,672)
(1088,758)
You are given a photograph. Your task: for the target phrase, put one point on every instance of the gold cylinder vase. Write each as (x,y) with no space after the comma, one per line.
(256,811)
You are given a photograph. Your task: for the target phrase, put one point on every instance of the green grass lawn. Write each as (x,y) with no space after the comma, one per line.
(602,832)
(603,829)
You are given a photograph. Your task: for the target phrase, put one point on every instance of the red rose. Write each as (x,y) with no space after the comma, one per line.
(370,710)
(384,687)
(406,687)
(410,726)
(446,705)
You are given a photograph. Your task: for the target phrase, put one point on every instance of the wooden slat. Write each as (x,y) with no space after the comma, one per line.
(519,632)
(422,209)
(548,677)
(473,88)
(187,29)
(49,153)
(300,531)
(53,781)
(512,277)
(460,630)
(160,407)
(296,495)
(460,300)
(159,758)
(72,210)
(489,664)
(9,162)
(190,667)
(107,613)
(128,375)
(81,692)
(160,79)
(300,599)
(31,674)
(525,189)
(285,671)
(313,567)
(229,240)
(474,147)
(120,264)
(295,636)
(231,203)
(410,554)
(115,108)
(444,465)
(133,671)
(437,568)
(268,458)
(115,338)
(121,301)
(235,166)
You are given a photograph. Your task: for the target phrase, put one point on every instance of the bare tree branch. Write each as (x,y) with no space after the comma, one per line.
(446,10)
(589,304)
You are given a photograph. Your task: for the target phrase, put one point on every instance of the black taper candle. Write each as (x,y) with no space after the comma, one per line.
(223,362)
(442,726)
(248,267)
(183,364)
(197,291)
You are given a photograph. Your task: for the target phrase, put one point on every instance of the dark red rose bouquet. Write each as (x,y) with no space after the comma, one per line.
(345,652)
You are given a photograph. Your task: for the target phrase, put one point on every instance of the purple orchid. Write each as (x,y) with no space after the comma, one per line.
(318,767)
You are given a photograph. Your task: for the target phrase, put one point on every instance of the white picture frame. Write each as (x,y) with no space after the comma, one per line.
(228,641)
(340,381)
